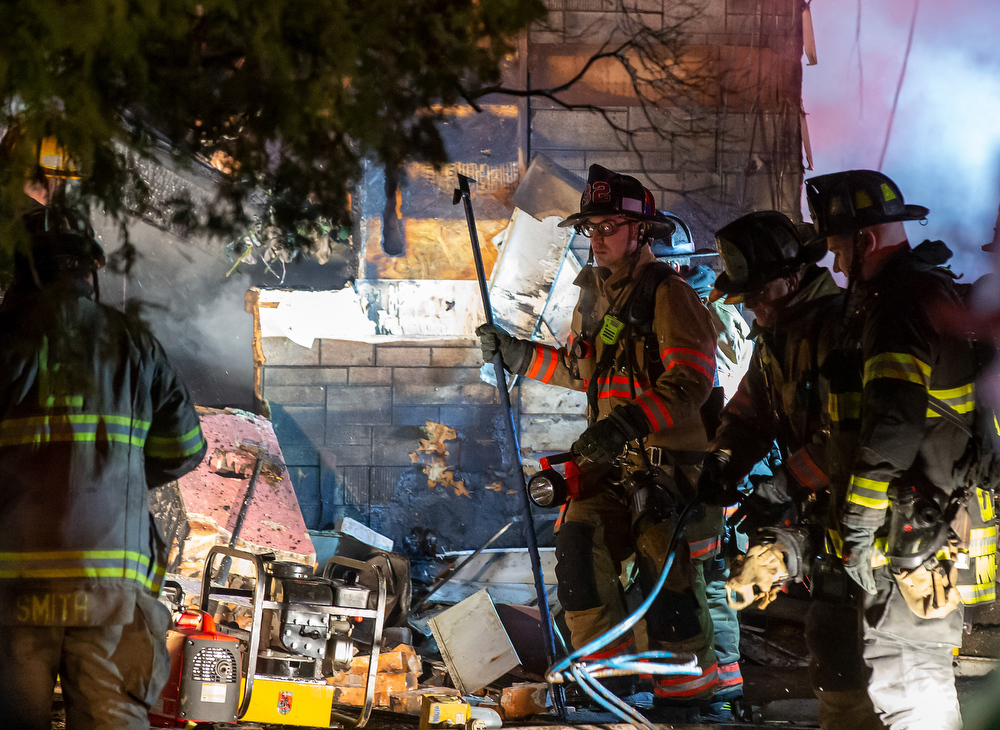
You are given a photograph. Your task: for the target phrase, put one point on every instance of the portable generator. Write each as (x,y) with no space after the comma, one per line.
(301,632)
(205,671)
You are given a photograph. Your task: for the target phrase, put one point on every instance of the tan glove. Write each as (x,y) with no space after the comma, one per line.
(756,576)
(930,593)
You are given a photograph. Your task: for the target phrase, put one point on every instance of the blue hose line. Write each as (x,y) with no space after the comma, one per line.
(616,632)
(600,694)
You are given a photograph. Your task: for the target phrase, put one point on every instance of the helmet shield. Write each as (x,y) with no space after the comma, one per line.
(845,202)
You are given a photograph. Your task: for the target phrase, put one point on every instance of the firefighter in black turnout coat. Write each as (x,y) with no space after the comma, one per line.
(91,417)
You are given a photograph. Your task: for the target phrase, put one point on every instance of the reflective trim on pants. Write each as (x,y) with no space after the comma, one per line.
(685,686)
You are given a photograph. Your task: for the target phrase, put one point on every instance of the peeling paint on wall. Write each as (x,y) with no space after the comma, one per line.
(433,454)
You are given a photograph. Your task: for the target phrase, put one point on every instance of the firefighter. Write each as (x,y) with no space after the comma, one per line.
(643,347)
(797,308)
(91,417)
(901,403)
(732,356)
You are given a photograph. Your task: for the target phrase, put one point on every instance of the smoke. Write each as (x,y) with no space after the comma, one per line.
(944,151)
(195,311)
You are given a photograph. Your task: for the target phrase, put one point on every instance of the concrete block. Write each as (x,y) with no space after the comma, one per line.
(384,481)
(704,17)
(436,376)
(349,435)
(346,485)
(331,487)
(415,415)
(668,121)
(480,456)
(305,481)
(282,351)
(284,376)
(604,27)
(605,6)
(695,152)
(576,130)
(542,399)
(705,181)
(311,514)
(407,394)
(333,512)
(551,433)
(449,357)
(369,376)
(297,395)
(300,455)
(298,424)
(406,357)
(462,416)
(341,352)
(393,446)
(361,405)
(338,455)
(634,161)
(546,37)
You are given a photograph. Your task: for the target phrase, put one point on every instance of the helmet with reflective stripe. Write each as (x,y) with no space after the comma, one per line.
(844,202)
(611,193)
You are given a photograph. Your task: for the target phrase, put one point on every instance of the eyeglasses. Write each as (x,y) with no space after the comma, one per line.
(605,228)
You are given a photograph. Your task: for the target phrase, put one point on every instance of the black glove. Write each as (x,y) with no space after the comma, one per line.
(516,353)
(859,545)
(605,440)
(777,489)
(715,487)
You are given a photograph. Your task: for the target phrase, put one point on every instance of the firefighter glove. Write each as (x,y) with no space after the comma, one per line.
(775,490)
(858,551)
(715,486)
(515,352)
(605,440)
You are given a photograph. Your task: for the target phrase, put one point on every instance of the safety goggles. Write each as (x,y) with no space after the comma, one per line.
(605,228)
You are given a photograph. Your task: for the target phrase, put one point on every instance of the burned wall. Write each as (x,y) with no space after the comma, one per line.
(352,421)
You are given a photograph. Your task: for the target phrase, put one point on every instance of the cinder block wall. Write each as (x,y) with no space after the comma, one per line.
(734,148)
(349,415)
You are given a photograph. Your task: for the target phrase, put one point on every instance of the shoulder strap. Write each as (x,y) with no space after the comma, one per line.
(945,411)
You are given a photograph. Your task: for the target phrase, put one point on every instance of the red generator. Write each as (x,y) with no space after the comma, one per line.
(205,668)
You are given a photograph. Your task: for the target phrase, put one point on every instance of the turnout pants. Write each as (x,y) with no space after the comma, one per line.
(726,626)
(593,540)
(110,675)
(912,684)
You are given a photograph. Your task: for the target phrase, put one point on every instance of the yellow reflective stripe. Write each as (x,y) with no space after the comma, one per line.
(174,447)
(84,427)
(961,399)
(844,406)
(31,568)
(982,541)
(868,493)
(56,555)
(979,593)
(898,366)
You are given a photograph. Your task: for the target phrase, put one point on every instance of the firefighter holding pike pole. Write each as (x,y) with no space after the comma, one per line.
(642,346)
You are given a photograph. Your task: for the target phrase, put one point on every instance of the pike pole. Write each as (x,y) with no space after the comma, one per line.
(514,459)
